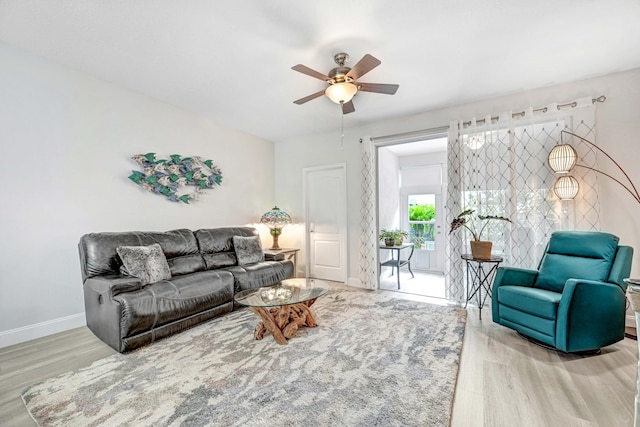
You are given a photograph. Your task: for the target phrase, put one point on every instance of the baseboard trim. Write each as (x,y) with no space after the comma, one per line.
(42,329)
(630,319)
(355,282)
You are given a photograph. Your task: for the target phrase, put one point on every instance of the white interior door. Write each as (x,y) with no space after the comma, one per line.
(325,200)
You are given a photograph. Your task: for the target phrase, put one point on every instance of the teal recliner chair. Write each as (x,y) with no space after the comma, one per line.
(575,301)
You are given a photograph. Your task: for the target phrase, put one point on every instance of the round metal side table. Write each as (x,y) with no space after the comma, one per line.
(480,277)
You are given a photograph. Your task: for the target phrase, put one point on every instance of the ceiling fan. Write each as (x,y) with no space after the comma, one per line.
(343,84)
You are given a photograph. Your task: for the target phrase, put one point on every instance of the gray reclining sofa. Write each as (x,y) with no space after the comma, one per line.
(205,274)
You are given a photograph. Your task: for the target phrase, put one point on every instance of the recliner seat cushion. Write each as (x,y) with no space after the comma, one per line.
(568,257)
(538,302)
(264,273)
(169,300)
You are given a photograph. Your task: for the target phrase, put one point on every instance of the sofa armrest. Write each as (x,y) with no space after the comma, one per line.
(113,285)
(590,315)
(102,311)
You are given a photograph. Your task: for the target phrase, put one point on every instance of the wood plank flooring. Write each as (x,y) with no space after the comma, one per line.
(504,380)
(25,364)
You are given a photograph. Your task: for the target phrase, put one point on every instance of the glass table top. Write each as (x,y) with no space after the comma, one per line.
(290,291)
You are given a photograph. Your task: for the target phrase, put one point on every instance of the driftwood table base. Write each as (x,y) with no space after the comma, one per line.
(284,321)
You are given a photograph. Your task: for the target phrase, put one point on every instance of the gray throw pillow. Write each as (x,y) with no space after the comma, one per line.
(248,249)
(147,263)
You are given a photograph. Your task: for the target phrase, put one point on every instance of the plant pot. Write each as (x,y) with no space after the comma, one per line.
(389,242)
(480,249)
(398,241)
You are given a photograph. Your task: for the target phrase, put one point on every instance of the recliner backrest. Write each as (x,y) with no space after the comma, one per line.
(98,254)
(576,255)
(621,268)
(216,245)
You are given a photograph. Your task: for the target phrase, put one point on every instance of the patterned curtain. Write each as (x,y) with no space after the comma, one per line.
(499,167)
(368,232)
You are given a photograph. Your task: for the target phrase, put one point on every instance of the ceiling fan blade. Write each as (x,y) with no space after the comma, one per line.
(378,88)
(366,64)
(348,107)
(308,98)
(309,72)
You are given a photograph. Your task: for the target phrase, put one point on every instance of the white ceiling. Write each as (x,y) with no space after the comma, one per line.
(231,60)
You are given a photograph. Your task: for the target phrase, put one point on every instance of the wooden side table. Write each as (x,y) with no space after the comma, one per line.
(633,295)
(282,254)
(478,278)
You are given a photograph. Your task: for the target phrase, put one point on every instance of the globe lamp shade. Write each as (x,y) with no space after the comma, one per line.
(562,158)
(566,187)
(341,93)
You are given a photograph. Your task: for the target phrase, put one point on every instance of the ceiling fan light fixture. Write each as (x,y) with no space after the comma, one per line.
(341,93)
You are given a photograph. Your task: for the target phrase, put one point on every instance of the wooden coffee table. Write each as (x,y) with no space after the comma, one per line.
(284,308)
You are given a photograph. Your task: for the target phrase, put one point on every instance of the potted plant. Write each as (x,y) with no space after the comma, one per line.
(389,237)
(400,236)
(479,249)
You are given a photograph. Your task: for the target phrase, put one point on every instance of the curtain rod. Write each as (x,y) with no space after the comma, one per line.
(573,104)
(411,136)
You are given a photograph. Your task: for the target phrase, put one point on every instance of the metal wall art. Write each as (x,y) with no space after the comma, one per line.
(174,176)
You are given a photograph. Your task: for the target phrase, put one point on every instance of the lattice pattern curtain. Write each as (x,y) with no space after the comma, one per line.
(368,232)
(499,167)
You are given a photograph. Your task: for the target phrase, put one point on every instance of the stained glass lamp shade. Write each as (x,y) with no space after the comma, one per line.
(275,219)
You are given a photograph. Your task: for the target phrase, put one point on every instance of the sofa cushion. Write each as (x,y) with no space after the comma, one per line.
(248,249)
(216,245)
(538,302)
(576,255)
(265,273)
(147,263)
(98,254)
(164,302)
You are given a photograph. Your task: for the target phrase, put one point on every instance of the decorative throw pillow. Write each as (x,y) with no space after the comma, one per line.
(147,263)
(248,249)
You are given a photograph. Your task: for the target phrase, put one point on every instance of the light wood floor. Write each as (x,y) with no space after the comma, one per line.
(503,381)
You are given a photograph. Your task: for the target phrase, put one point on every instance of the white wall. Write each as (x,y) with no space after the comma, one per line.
(66,141)
(617,122)
(435,158)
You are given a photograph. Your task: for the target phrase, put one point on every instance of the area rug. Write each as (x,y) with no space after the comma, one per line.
(372,361)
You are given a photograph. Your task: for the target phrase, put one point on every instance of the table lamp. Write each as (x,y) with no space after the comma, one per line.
(275,219)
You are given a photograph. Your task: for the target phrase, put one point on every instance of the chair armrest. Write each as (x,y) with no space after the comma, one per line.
(621,268)
(113,285)
(590,315)
(511,276)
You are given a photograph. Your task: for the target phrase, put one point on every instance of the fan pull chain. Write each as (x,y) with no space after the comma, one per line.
(342,132)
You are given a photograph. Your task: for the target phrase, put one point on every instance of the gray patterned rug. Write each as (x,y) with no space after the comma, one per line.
(372,361)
